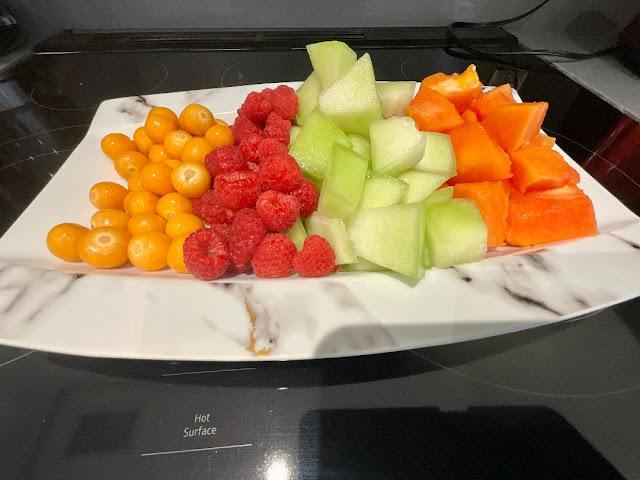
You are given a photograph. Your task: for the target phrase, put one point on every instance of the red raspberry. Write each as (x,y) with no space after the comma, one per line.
(249,147)
(207,208)
(206,254)
(247,231)
(284,101)
(227,158)
(268,147)
(256,107)
(274,256)
(243,127)
(307,196)
(253,167)
(316,259)
(278,210)
(223,229)
(279,172)
(277,128)
(236,190)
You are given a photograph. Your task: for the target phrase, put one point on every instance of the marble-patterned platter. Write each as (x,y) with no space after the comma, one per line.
(69,308)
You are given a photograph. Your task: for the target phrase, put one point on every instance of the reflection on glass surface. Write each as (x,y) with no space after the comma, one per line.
(278,468)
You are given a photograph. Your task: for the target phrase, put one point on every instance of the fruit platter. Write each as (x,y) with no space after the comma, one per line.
(337,216)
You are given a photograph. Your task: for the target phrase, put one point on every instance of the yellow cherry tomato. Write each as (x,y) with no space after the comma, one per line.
(158,154)
(156,178)
(175,255)
(148,251)
(114,144)
(196,119)
(107,195)
(63,241)
(104,247)
(195,150)
(219,135)
(158,126)
(109,217)
(134,183)
(219,121)
(145,222)
(140,202)
(173,203)
(130,163)
(183,223)
(164,112)
(143,142)
(191,179)
(172,163)
(175,141)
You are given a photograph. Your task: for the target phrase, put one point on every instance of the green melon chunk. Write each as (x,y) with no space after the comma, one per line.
(308,94)
(382,191)
(455,233)
(330,60)
(314,144)
(362,265)
(442,195)
(392,237)
(352,101)
(293,133)
(395,97)
(297,234)
(360,145)
(335,232)
(439,156)
(421,185)
(396,145)
(343,183)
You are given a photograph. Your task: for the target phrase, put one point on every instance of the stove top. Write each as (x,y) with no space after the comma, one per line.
(555,402)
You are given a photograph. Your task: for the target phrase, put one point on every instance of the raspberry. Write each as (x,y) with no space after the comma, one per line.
(223,229)
(236,190)
(206,254)
(247,231)
(274,256)
(256,107)
(280,173)
(277,128)
(284,101)
(253,167)
(277,210)
(268,147)
(249,147)
(207,208)
(243,127)
(307,196)
(227,158)
(316,259)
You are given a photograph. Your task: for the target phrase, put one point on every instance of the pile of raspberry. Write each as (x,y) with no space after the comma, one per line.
(258,193)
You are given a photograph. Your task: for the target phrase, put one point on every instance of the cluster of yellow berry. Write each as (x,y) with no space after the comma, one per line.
(147,221)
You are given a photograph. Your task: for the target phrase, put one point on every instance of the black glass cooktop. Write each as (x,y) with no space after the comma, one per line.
(555,402)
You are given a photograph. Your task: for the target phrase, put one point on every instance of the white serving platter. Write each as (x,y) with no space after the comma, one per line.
(49,305)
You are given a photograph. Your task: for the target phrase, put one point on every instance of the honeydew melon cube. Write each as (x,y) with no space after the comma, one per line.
(308,94)
(421,185)
(313,146)
(330,60)
(343,183)
(441,195)
(362,265)
(392,237)
(438,156)
(395,97)
(455,233)
(396,145)
(293,133)
(360,145)
(297,234)
(382,191)
(352,101)
(335,232)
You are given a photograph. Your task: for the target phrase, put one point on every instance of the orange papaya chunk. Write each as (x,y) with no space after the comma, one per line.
(487,101)
(459,88)
(549,216)
(492,198)
(514,125)
(432,112)
(540,168)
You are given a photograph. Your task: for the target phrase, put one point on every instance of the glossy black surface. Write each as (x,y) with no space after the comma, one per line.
(555,402)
